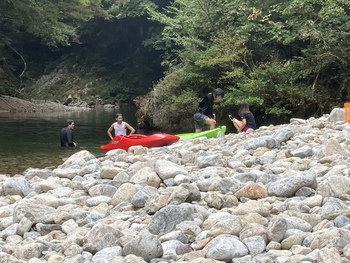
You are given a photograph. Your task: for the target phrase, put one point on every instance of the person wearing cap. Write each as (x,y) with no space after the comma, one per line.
(66,135)
(204,113)
(119,127)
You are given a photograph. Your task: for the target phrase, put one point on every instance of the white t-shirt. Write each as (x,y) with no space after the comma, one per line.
(119,129)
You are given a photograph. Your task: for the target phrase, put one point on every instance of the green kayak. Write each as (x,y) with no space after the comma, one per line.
(209,133)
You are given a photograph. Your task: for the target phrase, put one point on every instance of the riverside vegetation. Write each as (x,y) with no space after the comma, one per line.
(285,59)
(280,194)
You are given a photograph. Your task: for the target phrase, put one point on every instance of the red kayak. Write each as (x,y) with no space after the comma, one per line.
(153,140)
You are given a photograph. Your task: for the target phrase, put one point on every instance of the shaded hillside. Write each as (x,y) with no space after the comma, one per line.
(12,104)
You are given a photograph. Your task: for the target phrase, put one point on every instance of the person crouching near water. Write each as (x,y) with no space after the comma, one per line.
(204,113)
(66,135)
(119,127)
(247,122)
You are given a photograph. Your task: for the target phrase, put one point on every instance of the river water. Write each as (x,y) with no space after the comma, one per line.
(32,139)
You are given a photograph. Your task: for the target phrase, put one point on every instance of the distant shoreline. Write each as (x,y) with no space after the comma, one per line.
(13,104)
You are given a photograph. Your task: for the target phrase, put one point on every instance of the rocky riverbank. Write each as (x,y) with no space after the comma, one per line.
(12,104)
(280,194)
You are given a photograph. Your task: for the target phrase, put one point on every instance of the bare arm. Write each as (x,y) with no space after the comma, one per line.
(131,129)
(109,131)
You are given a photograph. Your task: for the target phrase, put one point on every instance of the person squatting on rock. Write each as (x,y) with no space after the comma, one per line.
(66,135)
(204,113)
(247,122)
(119,127)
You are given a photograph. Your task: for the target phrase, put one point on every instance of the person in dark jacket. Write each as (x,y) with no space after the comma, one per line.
(66,135)
(204,113)
(247,122)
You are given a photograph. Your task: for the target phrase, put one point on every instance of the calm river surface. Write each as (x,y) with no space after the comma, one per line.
(32,139)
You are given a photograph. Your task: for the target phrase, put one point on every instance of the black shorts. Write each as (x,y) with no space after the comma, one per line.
(199,120)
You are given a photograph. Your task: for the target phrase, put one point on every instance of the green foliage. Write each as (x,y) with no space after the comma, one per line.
(47,23)
(98,45)
(171,103)
(227,54)
(130,8)
(53,22)
(283,58)
(114,51)
(188,25)
(8,82)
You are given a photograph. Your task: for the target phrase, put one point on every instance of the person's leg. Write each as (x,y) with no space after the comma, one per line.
(210,122)
(199,120)
(237,124)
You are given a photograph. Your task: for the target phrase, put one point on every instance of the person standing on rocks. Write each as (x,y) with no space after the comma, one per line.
(204,113)
(247,122)
(119,127)
(66,135)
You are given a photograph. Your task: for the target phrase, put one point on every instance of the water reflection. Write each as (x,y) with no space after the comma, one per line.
(32,139)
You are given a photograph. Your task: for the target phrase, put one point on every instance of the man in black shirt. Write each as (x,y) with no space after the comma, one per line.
(204,113)
(66,135)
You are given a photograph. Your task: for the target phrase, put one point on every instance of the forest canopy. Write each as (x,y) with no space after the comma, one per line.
(285,58)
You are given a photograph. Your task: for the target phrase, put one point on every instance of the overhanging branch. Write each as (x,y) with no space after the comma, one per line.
(24,63)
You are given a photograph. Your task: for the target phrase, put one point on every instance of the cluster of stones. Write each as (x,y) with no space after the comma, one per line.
(280,194)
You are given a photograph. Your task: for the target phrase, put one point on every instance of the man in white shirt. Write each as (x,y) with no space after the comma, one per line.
(119,127)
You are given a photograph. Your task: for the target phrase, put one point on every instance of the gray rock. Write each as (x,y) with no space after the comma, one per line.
(283,135)
(209,160)
(341,221)
(225,248)
(140,199)
(16,186)
(289,185)
(263,141)
(337,114)
(166,219)
(100,237)
(302,152)
(107,254)
(44,229)
(166,169)
(255,244)
(145,245)
(276,229)
(29,251)
(185,193)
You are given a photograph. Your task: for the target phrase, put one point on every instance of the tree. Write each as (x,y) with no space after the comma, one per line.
(284,58)
(50,23)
